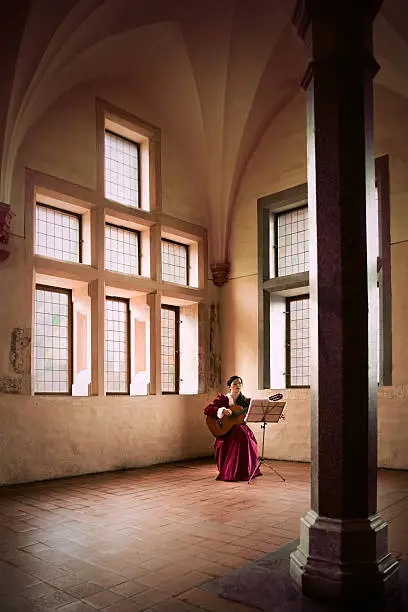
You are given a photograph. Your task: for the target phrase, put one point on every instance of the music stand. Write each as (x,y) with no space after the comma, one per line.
(264,411)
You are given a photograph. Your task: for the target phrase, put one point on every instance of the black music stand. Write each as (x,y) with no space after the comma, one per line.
(263,411)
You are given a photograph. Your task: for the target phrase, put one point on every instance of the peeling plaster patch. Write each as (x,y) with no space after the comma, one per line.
(203,347)
(20,353)
(8,384)
(75,448)
(214,374)
(15,384)
(397,392)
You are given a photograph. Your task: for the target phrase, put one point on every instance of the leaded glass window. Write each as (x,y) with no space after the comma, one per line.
(292,253)
(122,249)
(298,342)
(116,345)
(170,349)
(58,233)
(122,170)
(174,262)
(52,340)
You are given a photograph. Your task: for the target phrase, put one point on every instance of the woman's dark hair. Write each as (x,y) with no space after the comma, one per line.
(232,378)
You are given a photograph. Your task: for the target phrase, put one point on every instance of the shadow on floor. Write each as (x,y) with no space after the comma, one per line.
(267,585)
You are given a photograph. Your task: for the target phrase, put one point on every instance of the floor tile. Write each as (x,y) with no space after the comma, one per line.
(146,539)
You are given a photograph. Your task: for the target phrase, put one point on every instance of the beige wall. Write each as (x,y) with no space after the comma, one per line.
(399,277)
(48,437)
(280,163)
(16,290)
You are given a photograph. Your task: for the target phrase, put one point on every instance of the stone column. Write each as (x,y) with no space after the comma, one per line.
(343,549)
(96,292)
(154,303)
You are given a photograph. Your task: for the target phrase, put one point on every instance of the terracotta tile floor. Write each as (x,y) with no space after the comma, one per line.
(146,539)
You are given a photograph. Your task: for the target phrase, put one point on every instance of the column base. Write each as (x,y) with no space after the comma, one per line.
(344,559)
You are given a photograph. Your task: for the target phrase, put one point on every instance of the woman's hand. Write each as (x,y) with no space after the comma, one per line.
(223,412)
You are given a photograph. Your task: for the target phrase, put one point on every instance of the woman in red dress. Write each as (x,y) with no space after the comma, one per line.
(236,453)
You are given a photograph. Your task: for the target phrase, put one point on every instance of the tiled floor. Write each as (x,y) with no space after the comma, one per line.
(146,539)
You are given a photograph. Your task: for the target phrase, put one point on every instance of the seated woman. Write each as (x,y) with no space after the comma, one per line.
(236,452)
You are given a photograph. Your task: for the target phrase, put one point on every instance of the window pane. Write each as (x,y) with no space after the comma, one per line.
(121,170)
(57,234)
(51,341)
(174,262)
(299,342)
(169,355)
(116,346)
(121,250)
(293,242)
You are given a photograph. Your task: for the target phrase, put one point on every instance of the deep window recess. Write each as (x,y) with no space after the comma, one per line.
(52,340)
(122,249)
(122,170)
(58,233)
(278,276)
(117,352)
(174,262)
(170,343)
(297,341)
(283,262)
(291,242)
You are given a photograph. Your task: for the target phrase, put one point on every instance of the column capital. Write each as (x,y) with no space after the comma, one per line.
(308,10)
(342,61)
(337,35)
(220,271)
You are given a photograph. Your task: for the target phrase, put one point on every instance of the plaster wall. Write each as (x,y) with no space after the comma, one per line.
(15,314)
(48,437)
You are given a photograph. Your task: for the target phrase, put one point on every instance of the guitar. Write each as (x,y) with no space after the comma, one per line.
(220,427)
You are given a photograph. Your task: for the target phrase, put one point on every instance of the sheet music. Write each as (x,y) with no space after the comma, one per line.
(264,410)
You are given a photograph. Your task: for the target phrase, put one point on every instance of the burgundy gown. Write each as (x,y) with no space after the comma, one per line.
(236,453)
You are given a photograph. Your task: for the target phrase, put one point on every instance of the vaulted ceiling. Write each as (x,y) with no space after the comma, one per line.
(218,73)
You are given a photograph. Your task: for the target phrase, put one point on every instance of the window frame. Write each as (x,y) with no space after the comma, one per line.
(299,283)
(91,282)
(139,248)
(186,246)
(67,212)
(68,292)
(294,197)
(176,310)
(128,348)
(139,180)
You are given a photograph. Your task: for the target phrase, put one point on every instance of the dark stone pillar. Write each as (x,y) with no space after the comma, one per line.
(343,550)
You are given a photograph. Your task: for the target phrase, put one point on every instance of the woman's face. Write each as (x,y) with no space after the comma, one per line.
(236,386)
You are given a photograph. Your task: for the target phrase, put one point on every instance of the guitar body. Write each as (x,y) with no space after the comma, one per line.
(220,427)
